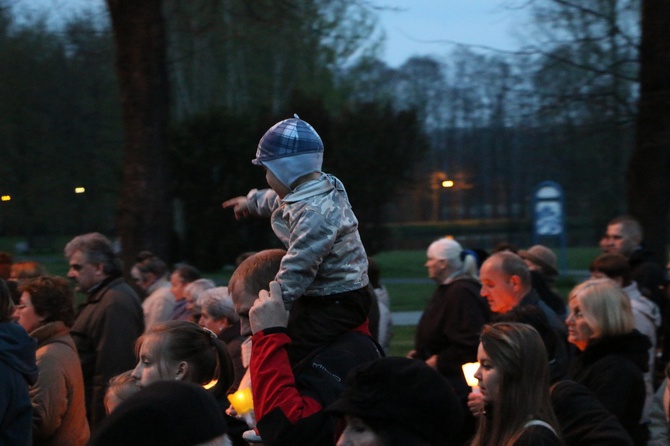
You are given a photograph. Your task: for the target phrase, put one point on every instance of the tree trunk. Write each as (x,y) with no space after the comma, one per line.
(649,168)
(145,208)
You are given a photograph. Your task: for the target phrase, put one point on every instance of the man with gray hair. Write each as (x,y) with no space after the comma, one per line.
(108,322)
(507,284)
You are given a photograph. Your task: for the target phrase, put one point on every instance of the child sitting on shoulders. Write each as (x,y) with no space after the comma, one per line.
(323,275)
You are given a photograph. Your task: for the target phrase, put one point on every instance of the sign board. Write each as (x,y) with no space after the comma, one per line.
(548,214)
(548,209)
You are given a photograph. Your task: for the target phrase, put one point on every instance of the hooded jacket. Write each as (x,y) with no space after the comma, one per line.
(315,222)
(17,372)
(612,368)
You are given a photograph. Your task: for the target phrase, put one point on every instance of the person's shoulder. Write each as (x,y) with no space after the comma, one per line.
(465,283)
(616,360)
(121,290)
(642,260)
(348,351)
(538,435)
(323,375)
(354,342)
(9,331)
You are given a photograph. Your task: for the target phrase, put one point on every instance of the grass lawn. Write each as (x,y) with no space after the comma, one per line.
(402,340)
(410,296)
(410,265)
(414,296)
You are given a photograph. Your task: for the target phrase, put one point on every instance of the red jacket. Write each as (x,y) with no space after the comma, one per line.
(288,403)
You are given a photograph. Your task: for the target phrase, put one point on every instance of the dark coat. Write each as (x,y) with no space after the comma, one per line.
(612,368)
(651,278)
(583,419)
(450,327)
(107,325)
(558,324)
(17,372)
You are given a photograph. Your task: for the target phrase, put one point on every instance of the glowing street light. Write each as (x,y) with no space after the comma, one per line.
(79,190)
(5,198)
(447,183)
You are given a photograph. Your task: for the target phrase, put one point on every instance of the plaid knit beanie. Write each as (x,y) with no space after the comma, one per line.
(290,149)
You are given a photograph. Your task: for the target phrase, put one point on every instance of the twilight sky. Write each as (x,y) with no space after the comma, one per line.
(424,27)
(419,27)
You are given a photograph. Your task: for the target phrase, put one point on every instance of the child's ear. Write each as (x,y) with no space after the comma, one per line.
(182,371)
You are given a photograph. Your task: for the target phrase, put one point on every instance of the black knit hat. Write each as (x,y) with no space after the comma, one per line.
(169,413)
(406,392)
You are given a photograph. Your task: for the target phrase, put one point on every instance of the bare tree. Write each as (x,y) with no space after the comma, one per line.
(145,212)
(649,168)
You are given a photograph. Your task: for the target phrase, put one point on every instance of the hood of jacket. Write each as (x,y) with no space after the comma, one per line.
(324,184)
(633,346)
(53,332)
(17,350)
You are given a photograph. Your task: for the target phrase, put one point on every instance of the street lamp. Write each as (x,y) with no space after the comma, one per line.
(439,180)
(6,198)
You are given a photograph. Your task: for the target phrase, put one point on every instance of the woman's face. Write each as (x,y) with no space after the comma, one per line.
(436,269)
(488,376)
(579,330)
(357,433)
(207,321)
(25,312)
(151,368)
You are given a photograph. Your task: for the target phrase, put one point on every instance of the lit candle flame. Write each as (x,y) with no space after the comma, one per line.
(242,401)
(469,371)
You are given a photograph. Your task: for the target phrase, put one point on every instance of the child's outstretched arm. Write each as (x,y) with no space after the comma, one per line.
(240,206)
(257,203)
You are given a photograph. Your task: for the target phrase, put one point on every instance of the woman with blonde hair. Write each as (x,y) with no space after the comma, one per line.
(612,354)
(513,379)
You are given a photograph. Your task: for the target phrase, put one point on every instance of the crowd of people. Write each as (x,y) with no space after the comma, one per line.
(305,331)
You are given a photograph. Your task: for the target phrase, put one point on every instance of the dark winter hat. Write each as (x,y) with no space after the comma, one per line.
(167,413)
(543,257)
(290,149)
(405,392)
